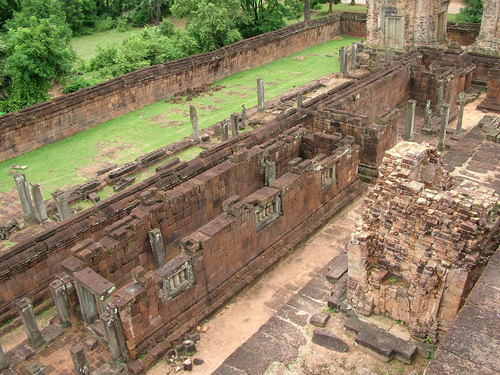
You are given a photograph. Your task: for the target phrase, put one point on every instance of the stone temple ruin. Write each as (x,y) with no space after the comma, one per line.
(142,268)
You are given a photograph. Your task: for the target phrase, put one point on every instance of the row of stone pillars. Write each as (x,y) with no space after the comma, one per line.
(222,130)
(444,110)
(38,210)
(348,60)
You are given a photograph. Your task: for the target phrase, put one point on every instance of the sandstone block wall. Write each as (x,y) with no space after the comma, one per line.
(353,24)
(463,33)
(229,251)
(420,243)
(44,123)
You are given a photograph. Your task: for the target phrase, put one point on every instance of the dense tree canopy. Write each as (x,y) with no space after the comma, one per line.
(37,55)
(472,11)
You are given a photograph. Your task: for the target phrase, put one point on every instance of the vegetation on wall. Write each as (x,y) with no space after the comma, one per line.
(472,11)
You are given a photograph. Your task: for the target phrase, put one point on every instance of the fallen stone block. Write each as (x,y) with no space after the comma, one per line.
(337,268)
(327,339)
(320,319)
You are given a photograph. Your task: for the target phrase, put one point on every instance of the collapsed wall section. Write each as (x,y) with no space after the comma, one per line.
(420,244)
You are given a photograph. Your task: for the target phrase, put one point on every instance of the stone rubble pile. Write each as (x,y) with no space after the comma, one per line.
(420,244)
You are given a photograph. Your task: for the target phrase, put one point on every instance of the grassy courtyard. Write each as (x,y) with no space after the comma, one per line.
(74,160)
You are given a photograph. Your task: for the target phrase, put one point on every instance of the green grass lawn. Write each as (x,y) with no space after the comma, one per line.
(73,160)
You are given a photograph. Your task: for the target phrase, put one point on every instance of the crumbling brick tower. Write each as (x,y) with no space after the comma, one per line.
(420,244)
(402,23)
(488,41)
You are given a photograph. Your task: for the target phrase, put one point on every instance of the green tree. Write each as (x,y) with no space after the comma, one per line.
(80,15)
(3,77)
(8,7)
(37,55)
(213,23)
(472,11)
(41,9)
(264,16)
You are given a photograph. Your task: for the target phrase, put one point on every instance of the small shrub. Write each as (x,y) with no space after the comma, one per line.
(104,24)
(78,82)
(122,25)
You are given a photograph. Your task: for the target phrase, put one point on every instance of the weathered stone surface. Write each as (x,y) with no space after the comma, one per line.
(329,340)
(319,319)
(136,367)
(337,268)
(284,331)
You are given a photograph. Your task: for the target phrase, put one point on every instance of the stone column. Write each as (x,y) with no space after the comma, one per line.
(158,248)
(427,115)
(410,119)
(25,309)
(244,116)
(377,61)
(346,66)
(270,172)
(24,196)
(35,368)
(461,98)
(218,130)
(234,124)
(79,360)
(40,209)
(444,125)
(225,135)
(3,360)
(388,55)
(440,98)
(342,53)
(114,336)
(58,290)
(261,102)
(193,116)
(354,50)
(87,304)
(299,100)
(488,41)
(62,205)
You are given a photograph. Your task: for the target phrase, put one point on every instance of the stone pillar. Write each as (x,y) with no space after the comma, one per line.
(299,100)
(342,54)
(354,50)
(427,115)
(444,125)
(25,309)
(488,41)
(58,290)
(24,196)
(270,172)
(225,135)
(410,119)
(218,130)
(35,368)
(440,98)
(461,98)
(234,124)
(114,336)
(3,360)
(377,62)
(79,360)
(156,240)
(244,116)
(87,304)
(388,55)
(346,66)
(62,205)
(193,116)
(261,102)
(40,209)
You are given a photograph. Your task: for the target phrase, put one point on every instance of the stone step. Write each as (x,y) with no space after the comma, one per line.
(379,343)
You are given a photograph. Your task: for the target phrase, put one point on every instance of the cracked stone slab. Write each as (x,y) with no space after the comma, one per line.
(247,361)
(225,369)
(295,316)
(449,364)
(303,303)
(284,331)
(270,348)
(337,268)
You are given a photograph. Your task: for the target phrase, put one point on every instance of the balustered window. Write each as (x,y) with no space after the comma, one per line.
(267,214)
